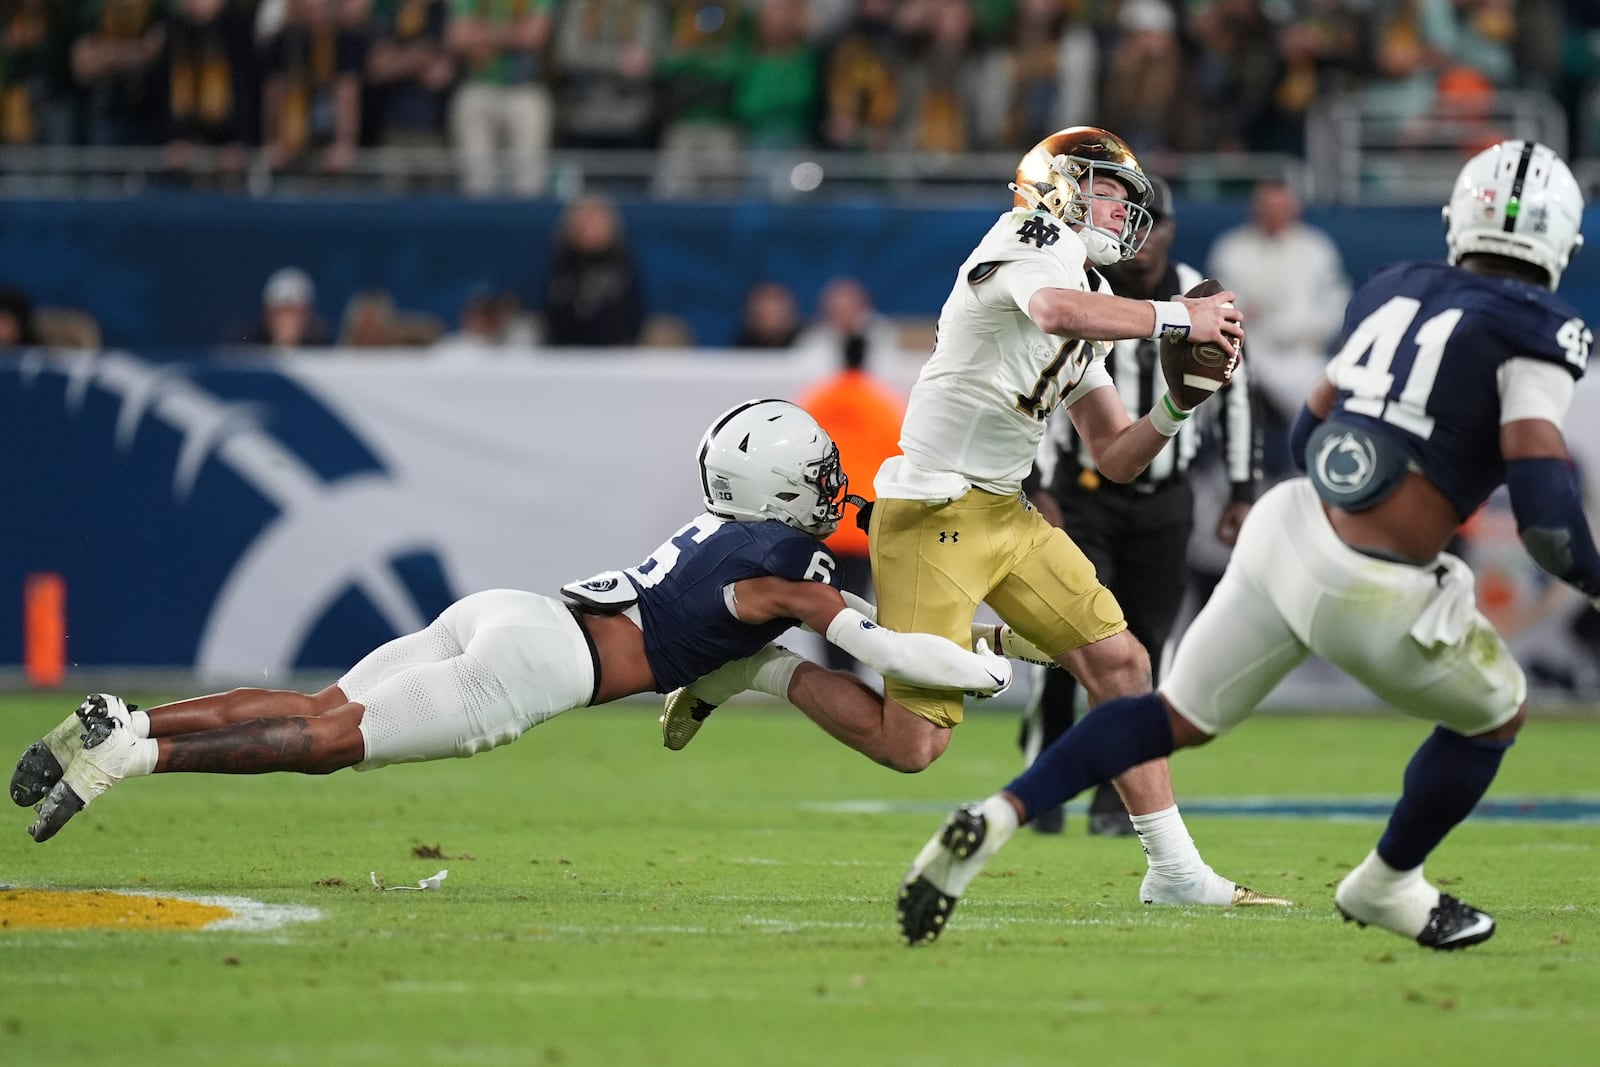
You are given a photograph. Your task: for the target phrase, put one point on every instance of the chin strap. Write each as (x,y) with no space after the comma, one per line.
(1103,249)
(1032,196)
(863,508)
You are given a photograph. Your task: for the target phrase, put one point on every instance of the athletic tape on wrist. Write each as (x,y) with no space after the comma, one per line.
(1167,417)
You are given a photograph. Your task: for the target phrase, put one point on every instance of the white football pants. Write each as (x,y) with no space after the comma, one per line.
(491,667)
(1412,635)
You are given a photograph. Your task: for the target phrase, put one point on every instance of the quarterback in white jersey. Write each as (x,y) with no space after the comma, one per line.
(976,406)
(1026,329)
(950,528)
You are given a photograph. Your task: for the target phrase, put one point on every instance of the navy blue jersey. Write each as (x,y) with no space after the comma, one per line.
(1419,363)
(689,630)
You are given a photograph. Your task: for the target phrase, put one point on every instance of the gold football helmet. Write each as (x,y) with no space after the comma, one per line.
(1057,175)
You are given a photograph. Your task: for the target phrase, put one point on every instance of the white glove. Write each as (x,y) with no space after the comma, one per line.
(998,667)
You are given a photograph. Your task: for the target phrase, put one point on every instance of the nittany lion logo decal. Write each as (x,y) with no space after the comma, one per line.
(1346,463)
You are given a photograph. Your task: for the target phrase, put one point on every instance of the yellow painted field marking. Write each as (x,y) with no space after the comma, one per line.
(81,909)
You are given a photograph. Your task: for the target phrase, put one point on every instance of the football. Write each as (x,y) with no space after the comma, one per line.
(1195,371)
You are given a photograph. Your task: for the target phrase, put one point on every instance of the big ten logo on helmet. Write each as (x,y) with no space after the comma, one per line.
(721,489)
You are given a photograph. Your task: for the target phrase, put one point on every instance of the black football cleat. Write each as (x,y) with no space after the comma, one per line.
(1452,924)
(42,765)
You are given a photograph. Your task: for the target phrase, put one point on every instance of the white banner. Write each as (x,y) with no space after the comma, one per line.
(518,472)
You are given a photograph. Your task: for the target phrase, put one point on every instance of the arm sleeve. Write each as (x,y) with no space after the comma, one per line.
(919,659)
(1548,505)
(1003,639)
(1534,389)
(868,610)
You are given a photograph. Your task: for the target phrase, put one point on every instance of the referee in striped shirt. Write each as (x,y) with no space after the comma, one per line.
(1137,535)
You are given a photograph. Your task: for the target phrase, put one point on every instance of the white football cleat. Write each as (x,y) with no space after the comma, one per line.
(42,765)
(948,863)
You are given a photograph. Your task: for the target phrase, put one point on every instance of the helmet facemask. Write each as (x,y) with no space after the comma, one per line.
(827,482)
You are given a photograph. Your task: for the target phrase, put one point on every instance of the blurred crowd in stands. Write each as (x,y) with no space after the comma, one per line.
(502,82)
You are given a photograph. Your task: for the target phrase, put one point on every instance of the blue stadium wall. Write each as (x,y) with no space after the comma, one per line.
(185,271)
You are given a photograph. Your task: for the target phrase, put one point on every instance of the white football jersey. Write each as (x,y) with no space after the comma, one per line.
(979,406)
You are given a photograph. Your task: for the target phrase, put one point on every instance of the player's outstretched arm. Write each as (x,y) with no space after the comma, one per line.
(1123,447)
(1105,317)
(920,659)
(996,636)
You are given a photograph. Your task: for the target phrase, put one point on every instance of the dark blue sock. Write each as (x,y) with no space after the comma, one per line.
(1444,781)
(1114,736)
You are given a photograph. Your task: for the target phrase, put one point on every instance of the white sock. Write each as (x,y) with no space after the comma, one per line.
(1001,818)
(139,721)
(145,754)
(774,672)
(1404,899)
(1177,874)
(768,671)
(1000,823)
(1167,844)
(1381,877)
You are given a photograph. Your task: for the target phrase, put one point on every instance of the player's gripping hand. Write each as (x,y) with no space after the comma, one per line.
(1214,320)
(999,669)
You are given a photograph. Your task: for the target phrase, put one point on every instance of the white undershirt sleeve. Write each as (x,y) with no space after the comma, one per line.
(1021,278)
(1534,389)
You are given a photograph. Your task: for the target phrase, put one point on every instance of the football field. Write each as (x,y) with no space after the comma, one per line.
(609,902)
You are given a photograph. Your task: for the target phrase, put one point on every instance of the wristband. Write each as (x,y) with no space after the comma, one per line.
(1172,321)
(1167,417)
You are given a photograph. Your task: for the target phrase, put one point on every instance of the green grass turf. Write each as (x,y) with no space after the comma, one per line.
(627,905)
